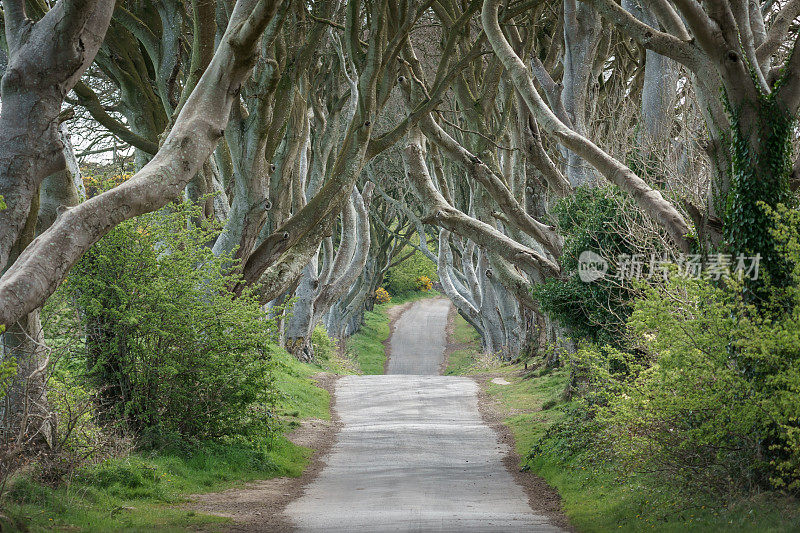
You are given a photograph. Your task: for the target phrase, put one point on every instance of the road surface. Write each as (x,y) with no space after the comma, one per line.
(418,342)
(413,453)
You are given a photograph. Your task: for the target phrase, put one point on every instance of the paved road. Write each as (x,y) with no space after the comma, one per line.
(413,453)
(418,342)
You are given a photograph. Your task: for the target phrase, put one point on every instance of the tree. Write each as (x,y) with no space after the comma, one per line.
(272,114)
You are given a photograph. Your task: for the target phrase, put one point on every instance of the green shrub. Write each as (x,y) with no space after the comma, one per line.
(720,402)
(402,278)
(172,352)
(710,400)
(707,395)
(323,345)
(590,220)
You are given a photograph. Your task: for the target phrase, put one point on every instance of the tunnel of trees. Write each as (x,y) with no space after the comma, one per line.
(289,155)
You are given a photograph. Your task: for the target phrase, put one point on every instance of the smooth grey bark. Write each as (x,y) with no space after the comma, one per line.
(45,60)
(301,323)
(44,264)
(489,310)
(26,418)
(650,200)
(582,32)
(274,262)
(61,189)
(348,275)
(466,307)
(500,193)
(658,90)
(316,299)
(346,315)
(245,153)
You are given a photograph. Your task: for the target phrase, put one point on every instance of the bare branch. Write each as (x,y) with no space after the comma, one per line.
(669,19)
(140,30)
(789,91)
(477,169)
(441,213)
(665,44)
(701,25)
(89,100)
(616,172)
(778,30)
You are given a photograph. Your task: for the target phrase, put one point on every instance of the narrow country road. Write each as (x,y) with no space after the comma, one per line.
(413,453)
(418,342)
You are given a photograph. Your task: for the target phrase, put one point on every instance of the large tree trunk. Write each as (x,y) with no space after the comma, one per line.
(26,411)
(582,33)
(46,58)
(44,264)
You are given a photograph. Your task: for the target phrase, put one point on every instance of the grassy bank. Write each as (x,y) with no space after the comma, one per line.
(598,496)
(366,346)
(466,343)
(142,491)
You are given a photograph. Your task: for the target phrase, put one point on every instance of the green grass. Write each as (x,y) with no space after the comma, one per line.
(461,361)
(299,398)
(597,496)
(524,399)
(464,333)
(143,491)
(327,355)
(598,499)
(366,345)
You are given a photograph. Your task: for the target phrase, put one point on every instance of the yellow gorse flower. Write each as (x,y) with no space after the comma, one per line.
(424,283)
(382,296)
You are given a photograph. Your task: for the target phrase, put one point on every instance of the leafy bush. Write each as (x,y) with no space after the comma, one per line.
(78,439)
(590,220)
(707,395)
(402,278)
(322,343)
(172,352)
(718,401)
(710,400)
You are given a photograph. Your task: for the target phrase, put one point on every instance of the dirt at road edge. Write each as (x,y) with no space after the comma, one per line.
(542,498)
(259,505)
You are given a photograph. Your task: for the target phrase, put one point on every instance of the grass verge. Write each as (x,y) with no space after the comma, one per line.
(464,350)
(597,496)
(141,491)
